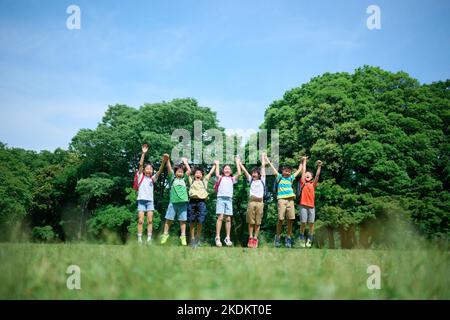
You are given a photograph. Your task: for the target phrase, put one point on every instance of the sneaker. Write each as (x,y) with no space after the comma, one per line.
(301,241)
(218,242)
(164,238)
(288,243)
(255,242)
(183,240)
(193,243)
(308,243)
(140,241)
(250,243)
(228,242)
(277,242)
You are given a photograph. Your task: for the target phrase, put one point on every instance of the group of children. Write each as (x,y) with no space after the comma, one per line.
(189,192)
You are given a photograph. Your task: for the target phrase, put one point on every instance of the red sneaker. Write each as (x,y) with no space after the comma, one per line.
(255,243)
(250,243)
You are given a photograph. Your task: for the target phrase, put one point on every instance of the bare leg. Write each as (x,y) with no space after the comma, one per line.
(167,226)
(289,227)
(228,226)
(219,225)
(183,227)
(192,229)
(311,229)
(140,222)
(302,228)
(199,230)
(256,230)
(149,222)
(279,226)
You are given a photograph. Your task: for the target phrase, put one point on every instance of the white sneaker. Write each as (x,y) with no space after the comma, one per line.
(218,242)
(228,242)
(308,243)
(140,241)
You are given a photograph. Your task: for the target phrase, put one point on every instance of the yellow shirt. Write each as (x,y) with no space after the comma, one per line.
(198,188)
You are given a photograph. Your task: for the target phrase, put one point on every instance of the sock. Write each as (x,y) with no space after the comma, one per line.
(149,236)
(310,237)
(139,236)
(302,236)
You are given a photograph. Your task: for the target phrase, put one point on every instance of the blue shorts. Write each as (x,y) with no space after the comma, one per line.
(197,210)
(145,205)
(224,206)
(177,209)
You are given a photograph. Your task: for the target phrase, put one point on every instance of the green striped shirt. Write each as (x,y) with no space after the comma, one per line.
(285,190)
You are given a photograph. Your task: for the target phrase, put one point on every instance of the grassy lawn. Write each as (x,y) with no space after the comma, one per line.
(38,271)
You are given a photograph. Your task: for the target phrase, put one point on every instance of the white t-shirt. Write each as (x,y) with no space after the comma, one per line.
(145,188)
(257,187)
(226,186)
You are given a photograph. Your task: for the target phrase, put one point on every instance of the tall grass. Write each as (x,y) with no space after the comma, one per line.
(38,271)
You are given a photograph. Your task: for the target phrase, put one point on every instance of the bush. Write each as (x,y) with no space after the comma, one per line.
(110,220)
(43,234)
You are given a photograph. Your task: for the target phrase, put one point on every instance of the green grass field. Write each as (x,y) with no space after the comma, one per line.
(38,271)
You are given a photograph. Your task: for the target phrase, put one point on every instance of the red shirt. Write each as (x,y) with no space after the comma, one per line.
(307,198)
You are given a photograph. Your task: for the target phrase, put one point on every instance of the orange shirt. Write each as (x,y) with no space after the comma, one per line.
(307,198)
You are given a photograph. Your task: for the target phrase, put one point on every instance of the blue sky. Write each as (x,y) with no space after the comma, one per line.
(233,56)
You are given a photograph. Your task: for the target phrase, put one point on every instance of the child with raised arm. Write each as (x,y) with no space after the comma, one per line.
(145,184)
(198,194)
(224,207)
(307,206)
(178,200)
(285,196)
(255,207)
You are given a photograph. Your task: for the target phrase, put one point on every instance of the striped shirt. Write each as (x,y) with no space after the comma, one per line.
(285,190)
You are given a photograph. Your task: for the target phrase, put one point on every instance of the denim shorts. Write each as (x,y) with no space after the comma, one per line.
(177,209)
(224,206)
(145,205)
(197,211)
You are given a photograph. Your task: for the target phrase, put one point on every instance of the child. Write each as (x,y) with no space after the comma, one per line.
(225,182)
(198,193)
(285,196)
(146,181)
(255,207)
(178,200)
(307,210)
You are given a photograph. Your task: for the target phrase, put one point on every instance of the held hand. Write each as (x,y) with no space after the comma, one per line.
(166,157)
(184,160)
(216,163)
(319,163)
(144,148)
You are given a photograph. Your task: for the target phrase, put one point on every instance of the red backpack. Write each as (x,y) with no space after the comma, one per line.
(136,183)
(217,184)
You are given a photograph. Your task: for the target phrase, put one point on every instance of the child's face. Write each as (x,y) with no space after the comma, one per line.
(198,174)
(148,170)
(255,175)
(308,176)
(179,173)
(227,171)
(286,173)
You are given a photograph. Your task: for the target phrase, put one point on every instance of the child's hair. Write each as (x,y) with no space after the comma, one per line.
(309,172)
(198,169)
(148,164)
(286,167)
(257,170)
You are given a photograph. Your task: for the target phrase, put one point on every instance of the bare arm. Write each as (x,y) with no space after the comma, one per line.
(213,168)
(275,172)
(245,171)
(216,163)
(238,166)
(188,168)
(161,167)
(299,170)
(319,166)
(169,166)
(141,162)
(304,169)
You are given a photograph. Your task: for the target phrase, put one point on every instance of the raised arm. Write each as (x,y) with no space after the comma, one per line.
(299,170)
(304,169)
(238,166)
(216,164)
(245,170)
(263,165)
(275,172)
(319,166)
(169,166)
(141,162)
(188,168)
(213,168)
(161,167)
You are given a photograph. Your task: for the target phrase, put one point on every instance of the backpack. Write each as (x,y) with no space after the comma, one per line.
(298,192)
(136,183)
(266,195)
(217,184)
